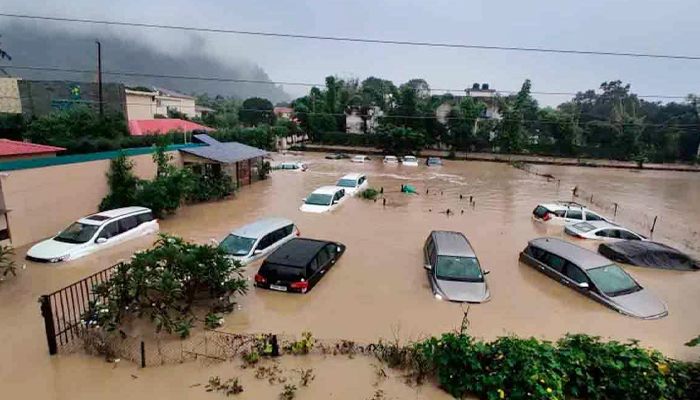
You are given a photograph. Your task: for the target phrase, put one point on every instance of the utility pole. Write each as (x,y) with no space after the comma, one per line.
(99,76)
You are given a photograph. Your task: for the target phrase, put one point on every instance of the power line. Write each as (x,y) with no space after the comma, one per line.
(356,40)
(305,84)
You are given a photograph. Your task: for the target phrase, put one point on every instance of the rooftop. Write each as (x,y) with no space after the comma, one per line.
(15,148)
(296,253)
(139,127)
(354,176)
(452,244)
(224,153)
(95,219)
(327,190)
(262,227)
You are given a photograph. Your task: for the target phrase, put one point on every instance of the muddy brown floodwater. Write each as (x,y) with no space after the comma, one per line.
(379,287)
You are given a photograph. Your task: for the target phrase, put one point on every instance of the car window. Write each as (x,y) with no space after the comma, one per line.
(332,250)
(574,214)
(613,233)
(459,268)
(628,235)
(341,193)
(127,224)
(237,245)
(265,242)
(560,213)
(110,230)
(362,180)
(613,280)
(575,273)
(591,216)
(540,212)
(145,217)
(77,233)
(288,230)
(431,251)
(554,261)
(323,257)
(602,233)
(537,253)
(313,267)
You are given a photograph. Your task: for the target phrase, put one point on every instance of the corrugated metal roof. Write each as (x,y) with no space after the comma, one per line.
(15,148)
(206,139)
(226,153)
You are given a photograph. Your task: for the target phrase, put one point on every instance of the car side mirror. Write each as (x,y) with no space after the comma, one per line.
(335,201)
(428,267)
(101,240)
(303,200)
(256,252)
(214,242)
(583,285)
(486,272)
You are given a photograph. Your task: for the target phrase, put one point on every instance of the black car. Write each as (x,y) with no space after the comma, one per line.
(337,156)
(298,265)
(649,254)
(433,161)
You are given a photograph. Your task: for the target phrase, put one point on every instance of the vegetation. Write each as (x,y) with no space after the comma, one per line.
(256,111)
(80,123)
(163,283)
(264,169)
(230,388)
(7,264)
(369,194)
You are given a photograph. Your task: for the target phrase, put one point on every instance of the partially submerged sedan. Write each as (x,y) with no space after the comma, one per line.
(323,199)
(592,275)
(601,230)
(298,265)
(453,269)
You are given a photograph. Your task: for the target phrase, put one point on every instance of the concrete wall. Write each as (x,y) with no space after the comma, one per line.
(9,96)
(45,200)
(140,106)
(43,97)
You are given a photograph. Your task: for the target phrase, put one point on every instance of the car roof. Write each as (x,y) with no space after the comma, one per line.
(297,252)
(562,206)
(105,216)
(452,244)
(603,224)
(262,227)
(360,155)
(584,258)
(327,190)
(405,157)
(353,176)
(389,156)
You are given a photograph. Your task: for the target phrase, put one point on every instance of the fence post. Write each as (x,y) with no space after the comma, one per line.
(143,354)
(47,313)
(275,346)
(651,233)
(615,216)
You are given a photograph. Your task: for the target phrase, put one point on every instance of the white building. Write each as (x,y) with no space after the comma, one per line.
(354,122)
(141,104)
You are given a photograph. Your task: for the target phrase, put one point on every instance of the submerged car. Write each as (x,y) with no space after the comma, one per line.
(254,241)
(298,265)
(353,183)
(410,161)
(564,212)
(94,233)
(433,161)
(337,156)
(360,159)
(453,268)
(649,254)
(592,275)
(324,199)
(291,166)
(601,230)
(390,160)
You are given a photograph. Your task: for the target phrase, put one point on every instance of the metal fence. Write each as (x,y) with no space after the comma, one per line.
(62,310)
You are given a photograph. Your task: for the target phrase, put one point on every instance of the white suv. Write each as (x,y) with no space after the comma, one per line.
(564,213)
(353,183)
(95,232)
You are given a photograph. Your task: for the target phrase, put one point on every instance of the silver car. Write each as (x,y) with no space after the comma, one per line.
(453,268)
(592,275)
(254,241)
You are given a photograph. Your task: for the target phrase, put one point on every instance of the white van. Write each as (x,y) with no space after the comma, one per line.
(254,241)
(94,233)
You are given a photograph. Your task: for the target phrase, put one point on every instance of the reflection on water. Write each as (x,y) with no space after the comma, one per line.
(379,285)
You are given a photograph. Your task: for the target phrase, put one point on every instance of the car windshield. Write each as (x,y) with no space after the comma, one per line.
(409,158)
(318,199)
(77,233)
(613,280)
(584,227)
(349,183)
(434,161)
(237,245)
(459,269)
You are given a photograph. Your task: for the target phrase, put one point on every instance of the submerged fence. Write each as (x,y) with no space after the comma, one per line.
(63,309)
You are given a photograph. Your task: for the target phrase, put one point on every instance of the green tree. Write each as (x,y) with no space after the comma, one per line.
(256,111)
(123,184)
(4,55)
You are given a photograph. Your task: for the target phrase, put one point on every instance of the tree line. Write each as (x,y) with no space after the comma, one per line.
(611,122)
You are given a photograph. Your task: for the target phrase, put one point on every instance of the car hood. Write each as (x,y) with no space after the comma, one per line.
(313,209)
(642,304)
(52,249)
(472,292)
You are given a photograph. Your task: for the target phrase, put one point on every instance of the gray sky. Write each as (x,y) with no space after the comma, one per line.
(668,27)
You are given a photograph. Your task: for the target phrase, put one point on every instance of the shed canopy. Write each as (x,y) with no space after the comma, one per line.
(225,153)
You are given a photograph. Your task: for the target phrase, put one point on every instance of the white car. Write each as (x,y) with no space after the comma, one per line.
(601,230)
(353,183)
(391,160)
(94,233)
(564,213)
(324,199)
(410,161)
(254,241)
(291,166)
(360,159)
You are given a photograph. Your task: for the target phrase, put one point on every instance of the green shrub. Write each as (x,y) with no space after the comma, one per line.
(7,264)
(369,194)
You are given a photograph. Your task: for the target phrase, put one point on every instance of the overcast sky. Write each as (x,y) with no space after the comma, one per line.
(668,26)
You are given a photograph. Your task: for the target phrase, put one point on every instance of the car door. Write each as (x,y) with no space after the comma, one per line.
(277,238)
(127,229)
(554,265)
(110,232)
(608,235)
(263,245)
(573,216)
(319,266)
(591,216)
(573,276)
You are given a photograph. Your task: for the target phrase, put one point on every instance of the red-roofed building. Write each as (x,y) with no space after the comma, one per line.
(162,126)
(14,150)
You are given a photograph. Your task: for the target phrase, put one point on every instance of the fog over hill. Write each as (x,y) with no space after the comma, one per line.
(153,53)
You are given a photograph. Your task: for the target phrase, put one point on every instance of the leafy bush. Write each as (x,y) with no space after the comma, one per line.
(163,283)
(211,185)
(7,264)
(264,169)
(369,194)
(76,123)
(123,184)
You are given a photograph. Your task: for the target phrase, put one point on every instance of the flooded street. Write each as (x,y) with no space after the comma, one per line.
(379,287)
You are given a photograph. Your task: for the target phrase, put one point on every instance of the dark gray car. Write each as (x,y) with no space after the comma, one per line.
(453,268)
(592,275)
